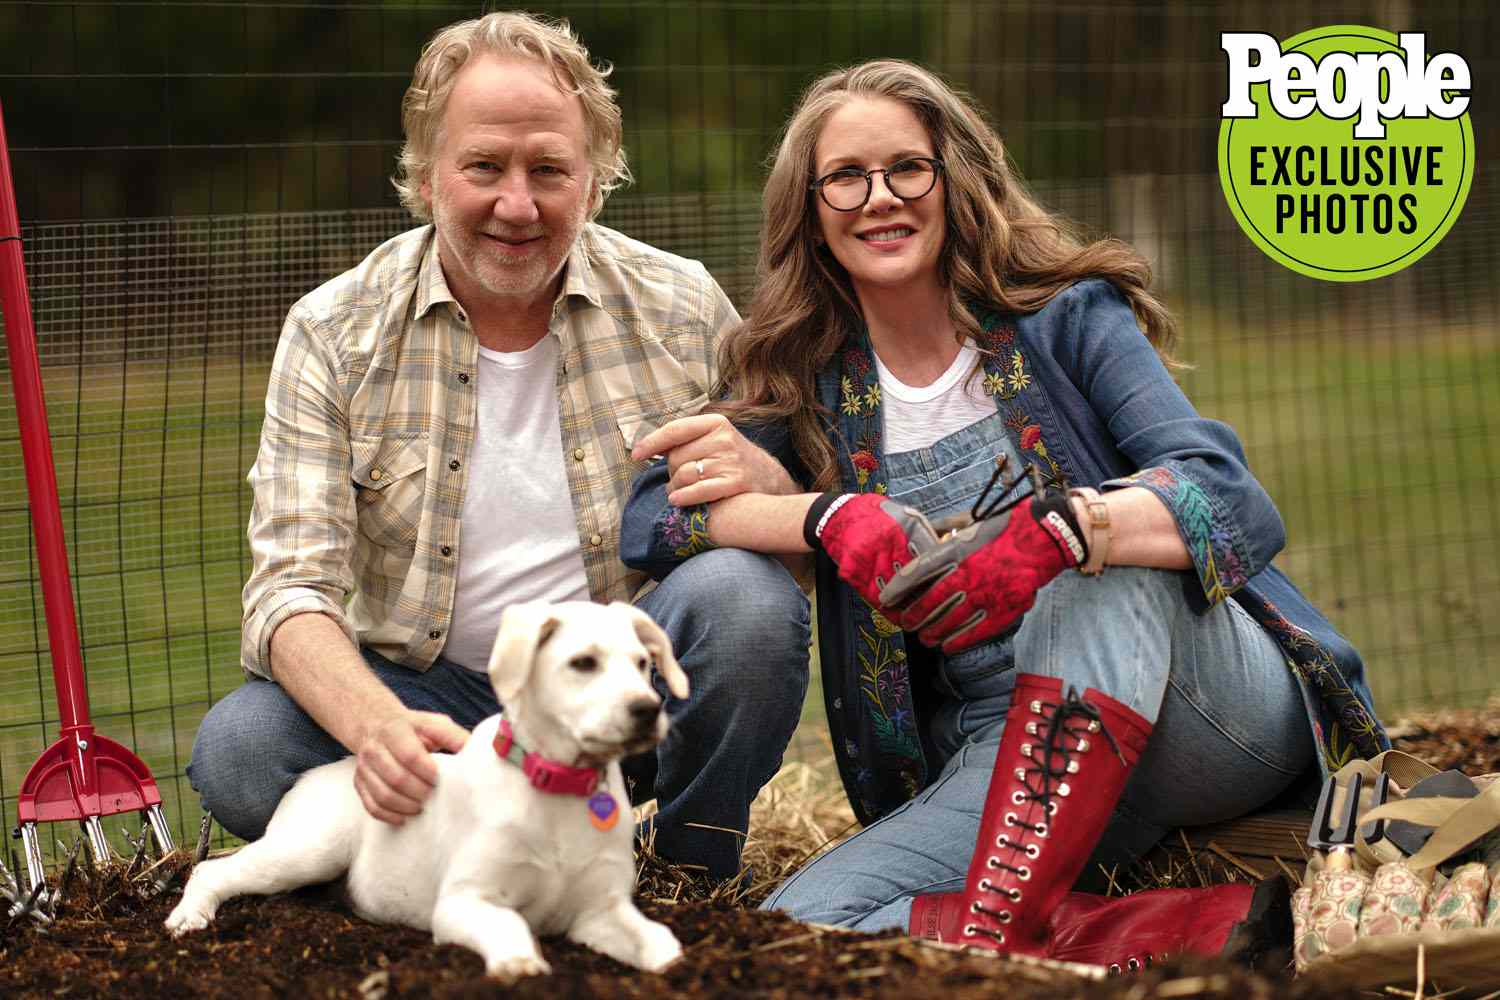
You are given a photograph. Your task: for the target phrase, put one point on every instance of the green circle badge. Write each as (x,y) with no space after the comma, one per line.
(1346,152)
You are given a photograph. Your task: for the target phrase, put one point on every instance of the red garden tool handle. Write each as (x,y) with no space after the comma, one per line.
(70,777)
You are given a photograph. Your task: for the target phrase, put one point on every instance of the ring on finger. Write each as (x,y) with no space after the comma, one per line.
(699,465)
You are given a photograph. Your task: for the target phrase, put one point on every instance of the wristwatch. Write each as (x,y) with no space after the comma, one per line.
(1098,512)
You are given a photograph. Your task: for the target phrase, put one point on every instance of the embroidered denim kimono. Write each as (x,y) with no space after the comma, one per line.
(1083,397)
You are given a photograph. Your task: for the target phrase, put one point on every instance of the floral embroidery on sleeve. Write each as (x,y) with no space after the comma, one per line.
(686,530)
(1220,570)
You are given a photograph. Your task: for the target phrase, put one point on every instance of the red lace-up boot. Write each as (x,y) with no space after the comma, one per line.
(1062,764)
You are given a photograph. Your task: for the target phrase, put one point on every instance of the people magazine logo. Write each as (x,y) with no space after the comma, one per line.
(1345,152)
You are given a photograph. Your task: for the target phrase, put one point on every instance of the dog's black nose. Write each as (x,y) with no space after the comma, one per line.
(643,712)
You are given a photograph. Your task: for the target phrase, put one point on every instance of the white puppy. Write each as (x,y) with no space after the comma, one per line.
(490,853)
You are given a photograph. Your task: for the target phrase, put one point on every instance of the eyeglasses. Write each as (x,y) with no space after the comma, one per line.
(849,188)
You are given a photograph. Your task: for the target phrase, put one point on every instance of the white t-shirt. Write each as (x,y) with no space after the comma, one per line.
(518,537)
(921,417)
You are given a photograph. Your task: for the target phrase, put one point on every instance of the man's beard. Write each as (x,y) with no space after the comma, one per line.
(506,275)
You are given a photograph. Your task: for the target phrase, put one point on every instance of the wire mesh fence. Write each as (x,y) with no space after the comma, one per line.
(188,170)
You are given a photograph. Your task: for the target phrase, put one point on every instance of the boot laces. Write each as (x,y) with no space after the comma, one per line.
(1057,756)
(1055,765)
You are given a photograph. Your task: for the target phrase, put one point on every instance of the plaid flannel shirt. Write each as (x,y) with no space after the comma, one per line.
(360,478)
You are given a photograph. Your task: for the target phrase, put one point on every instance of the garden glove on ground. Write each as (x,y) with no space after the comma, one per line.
(977,582)
(868,536)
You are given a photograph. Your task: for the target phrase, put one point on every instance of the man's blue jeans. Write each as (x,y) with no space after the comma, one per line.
(740,629)
(1230,733)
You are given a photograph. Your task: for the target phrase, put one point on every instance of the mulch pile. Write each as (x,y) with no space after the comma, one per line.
(107,940)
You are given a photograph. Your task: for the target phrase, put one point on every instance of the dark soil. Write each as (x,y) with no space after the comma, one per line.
(108,941)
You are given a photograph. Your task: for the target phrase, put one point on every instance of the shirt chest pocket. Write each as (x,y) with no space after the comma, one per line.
(390,486)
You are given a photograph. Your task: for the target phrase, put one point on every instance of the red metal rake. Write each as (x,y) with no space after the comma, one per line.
(83,775)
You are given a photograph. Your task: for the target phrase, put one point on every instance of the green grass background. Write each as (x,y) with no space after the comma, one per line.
(1376,450)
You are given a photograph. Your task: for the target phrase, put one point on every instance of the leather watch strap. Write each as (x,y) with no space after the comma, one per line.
(1098,519)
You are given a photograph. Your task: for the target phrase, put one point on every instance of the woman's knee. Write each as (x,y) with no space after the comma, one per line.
(1113,633)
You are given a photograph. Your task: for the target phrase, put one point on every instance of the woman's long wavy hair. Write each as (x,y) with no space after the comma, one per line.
(1000,247)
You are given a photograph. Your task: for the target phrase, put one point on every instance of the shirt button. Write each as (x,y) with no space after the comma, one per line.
(463,377)
(578,454)
(596,539)
(454,465)
(447,550)
(436,633)
(375,475)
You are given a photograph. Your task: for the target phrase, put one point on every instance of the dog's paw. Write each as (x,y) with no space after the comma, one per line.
(514,967)
(659,948)
(187,917)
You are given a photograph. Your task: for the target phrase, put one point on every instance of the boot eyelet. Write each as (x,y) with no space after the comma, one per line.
(1063,789)
(1093,726)
(1003,842)
(974,907)
(1072,767)
(1015,895)
(1020,774)
(1051,808)
(992,863)
(970,930)
(1149,960)
(1018,798)
(1004,917)
(1041,830)
(1010,819)
(1031,729)
(1025,749)
(1083,745)
(1133,964)
(1114,967)
(1033,851)
(1024,874)
(985,885)
(1036,706)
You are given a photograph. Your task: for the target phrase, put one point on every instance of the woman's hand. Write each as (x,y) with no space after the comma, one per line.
(709,459)
(869,537)
(977,582)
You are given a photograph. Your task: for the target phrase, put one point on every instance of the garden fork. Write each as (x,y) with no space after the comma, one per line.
(1333,835)
(83,775)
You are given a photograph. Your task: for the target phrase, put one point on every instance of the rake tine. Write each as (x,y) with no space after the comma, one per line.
(204,829)
(66,881)
(29,907)
(141,846)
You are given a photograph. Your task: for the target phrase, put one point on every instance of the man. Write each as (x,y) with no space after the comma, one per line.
(447,432)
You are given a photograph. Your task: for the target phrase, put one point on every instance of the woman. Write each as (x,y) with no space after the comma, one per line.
(919,322)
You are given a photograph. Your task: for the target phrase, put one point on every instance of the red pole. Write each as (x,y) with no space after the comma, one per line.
(36,452)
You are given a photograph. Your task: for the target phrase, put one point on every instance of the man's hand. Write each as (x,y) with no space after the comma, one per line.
(710,460)
(395,771)
(979,581)
(869,537)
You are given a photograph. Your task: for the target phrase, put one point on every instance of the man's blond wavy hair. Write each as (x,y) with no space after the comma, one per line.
(551,43)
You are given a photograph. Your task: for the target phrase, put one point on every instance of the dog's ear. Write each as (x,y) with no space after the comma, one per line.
(523,629)
(660,647)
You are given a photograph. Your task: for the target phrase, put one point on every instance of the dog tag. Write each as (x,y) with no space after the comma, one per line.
(604,812)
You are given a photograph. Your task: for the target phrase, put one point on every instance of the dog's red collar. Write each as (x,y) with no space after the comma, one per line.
(545,775)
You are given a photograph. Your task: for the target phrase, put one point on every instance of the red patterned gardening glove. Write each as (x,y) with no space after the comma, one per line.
(977,582)
(868,536)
